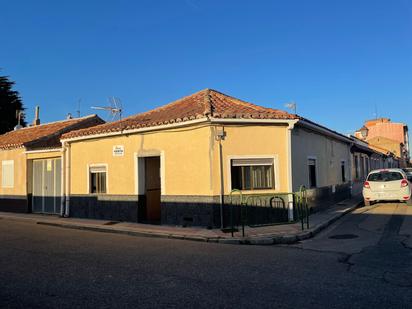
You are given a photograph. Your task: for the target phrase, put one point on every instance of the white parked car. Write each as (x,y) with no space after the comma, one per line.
(408,172)
(386,185)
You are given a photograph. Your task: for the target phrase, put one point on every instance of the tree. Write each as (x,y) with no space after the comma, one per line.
(10,104)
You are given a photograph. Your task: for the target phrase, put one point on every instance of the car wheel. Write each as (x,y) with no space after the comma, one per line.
(367,203)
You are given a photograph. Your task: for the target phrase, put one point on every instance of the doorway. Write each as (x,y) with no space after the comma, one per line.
(152,188)
(47,186)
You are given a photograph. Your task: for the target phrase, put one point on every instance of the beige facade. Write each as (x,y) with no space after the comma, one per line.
(190,158)
(321,161)
(329,153)
(185,161)
(18,157)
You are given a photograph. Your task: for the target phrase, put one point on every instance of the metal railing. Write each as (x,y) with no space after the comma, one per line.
(268,209)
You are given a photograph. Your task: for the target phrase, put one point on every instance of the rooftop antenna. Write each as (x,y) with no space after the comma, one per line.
(292,106)
(115,109)
(78,108)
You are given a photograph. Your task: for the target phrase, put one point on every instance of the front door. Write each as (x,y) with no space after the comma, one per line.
(152,189)
(47,186)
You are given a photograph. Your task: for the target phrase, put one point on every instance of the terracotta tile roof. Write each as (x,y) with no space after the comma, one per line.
(203,104)
(45,135)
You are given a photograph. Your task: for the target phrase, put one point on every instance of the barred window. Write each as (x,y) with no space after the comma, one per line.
(252,174)
(98,176)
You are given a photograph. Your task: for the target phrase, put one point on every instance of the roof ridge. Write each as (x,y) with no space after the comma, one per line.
(207,101)
(167,105)
(248,104)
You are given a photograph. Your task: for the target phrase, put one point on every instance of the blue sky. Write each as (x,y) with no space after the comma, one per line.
(339,60)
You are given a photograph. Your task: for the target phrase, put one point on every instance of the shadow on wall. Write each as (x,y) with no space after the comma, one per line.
(15,203)
(120,209)
(179,213)
(324,197)
(196,211)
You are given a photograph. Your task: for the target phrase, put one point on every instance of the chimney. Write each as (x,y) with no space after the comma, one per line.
(36,120)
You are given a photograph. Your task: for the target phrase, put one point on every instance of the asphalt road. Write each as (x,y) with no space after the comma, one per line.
(49,267)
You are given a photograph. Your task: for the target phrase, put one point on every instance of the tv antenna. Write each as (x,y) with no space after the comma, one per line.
(292,106)
(115,109)
(78,108)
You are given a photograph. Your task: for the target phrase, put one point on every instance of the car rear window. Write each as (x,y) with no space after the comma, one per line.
(407,170)
(385,176)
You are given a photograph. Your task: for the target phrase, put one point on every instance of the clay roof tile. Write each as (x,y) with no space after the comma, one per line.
(207,103)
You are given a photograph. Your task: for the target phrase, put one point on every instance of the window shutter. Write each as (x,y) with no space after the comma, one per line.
(248,162)
(7,175)
(97,169)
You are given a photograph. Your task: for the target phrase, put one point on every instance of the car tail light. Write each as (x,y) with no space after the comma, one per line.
(404,183)
(366,185)
(406,198)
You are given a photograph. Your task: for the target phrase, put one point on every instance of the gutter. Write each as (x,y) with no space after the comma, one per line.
(179,125)
(252,120)
(44,150)
(324,131)
(139,130)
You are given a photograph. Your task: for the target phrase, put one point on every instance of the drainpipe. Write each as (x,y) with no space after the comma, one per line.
(220,135)
(222,189)
(67,181)
(291,125)
(63,175)
(350,167)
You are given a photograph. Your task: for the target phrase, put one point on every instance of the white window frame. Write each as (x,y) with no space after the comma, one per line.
(316,171)
(3,164)
(275,169)
(89,166)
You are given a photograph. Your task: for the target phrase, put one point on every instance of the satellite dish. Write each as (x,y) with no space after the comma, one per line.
(114,110)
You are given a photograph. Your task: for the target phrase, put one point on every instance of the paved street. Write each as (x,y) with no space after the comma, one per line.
(50,267)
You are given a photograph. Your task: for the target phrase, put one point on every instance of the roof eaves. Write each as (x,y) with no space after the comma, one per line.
(323,129)
(63,130)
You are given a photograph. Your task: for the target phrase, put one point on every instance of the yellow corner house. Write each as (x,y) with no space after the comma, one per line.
(178,164)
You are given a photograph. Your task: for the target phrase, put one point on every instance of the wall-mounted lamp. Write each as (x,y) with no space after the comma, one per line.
(220,134)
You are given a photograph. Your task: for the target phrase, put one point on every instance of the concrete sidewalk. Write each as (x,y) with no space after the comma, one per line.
(266,235)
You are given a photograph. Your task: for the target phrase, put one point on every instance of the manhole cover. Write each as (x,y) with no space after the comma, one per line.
(229,230)
(344,236)
(111,223)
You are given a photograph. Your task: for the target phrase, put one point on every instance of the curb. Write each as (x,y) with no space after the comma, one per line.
(123,232)
(261,241)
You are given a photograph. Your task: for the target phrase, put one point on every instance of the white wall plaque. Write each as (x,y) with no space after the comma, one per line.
(118,151)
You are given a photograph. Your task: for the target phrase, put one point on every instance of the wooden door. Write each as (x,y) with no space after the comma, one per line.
(152,190)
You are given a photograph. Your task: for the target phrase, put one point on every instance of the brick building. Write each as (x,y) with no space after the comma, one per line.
(392,136)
